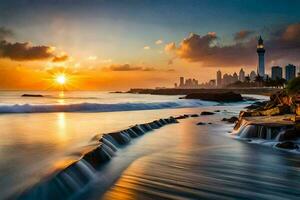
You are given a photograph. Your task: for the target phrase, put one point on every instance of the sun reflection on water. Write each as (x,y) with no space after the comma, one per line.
(61,125)
(61,96)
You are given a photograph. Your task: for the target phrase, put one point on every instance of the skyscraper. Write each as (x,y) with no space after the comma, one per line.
(242,75)
(290,72)
(261,57)
(276,72)
(181,83)
(219,78)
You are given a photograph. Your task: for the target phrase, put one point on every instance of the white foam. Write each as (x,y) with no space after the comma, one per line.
(99,107)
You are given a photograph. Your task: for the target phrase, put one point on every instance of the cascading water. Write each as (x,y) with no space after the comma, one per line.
(71,180)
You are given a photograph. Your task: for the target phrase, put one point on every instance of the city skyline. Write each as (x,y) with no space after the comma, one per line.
(116,45)
(291,71)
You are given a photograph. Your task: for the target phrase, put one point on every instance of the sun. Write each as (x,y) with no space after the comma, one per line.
(61,79)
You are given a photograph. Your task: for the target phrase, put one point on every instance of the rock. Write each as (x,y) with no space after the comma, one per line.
(249,114)
(217,111)
(207,113)
(291,134)
(201,123)
(231,119)
(287,145)
(297,109)
(209,123)
(278,110)
(194,115)
(219,97)
(181,117)
(271,112)
(32,95)
(256,105)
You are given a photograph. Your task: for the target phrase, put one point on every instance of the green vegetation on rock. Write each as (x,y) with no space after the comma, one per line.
(293,86)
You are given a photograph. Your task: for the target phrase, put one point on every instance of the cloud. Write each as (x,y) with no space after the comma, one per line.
(170,62)
(170,47)
(243,35)
(4,33)
(280,45)
(128,67)
(24,51)
(292,33)
(61,58)
(92,58)
(158,42)
(146,47)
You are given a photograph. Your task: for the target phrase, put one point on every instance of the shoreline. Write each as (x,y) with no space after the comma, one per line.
(173,91)
(104,152)
(275,120)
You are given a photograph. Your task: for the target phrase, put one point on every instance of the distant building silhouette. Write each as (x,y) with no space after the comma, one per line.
(181,83)
(252,76)
(290,72)
(261,57)
(219,78)
(276,72)
(187,83)
(235,77)
(242,75)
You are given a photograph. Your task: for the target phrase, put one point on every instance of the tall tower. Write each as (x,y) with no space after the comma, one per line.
(219,78)
(261,57)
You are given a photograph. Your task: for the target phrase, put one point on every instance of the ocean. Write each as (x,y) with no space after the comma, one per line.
(41,136)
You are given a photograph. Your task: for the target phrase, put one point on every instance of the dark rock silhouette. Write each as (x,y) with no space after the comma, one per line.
(287,145)
(219,97)
(32,95)
(231,119)
(207,113)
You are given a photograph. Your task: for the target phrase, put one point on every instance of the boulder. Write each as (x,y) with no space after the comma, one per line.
(194,115)
(201,123)
(291,134)
(278,110)
(249,114)
(219,97)
(256,105)
(231,119)
(32,95)
(297,109)
(287,145)
(207,113)
(182,117)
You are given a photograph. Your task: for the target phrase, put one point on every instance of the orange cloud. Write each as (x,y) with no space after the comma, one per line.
(61,58)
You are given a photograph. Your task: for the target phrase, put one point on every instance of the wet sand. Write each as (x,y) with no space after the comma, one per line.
(200,162)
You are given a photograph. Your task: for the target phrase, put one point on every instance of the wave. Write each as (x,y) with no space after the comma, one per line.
(68,182)
(98,107)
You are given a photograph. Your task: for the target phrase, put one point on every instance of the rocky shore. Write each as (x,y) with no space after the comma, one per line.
(275,120)
(219,97)
(173,91)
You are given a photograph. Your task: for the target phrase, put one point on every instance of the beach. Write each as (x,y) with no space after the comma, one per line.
(176,161)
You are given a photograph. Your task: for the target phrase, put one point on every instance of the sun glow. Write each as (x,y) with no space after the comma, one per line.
(61,79)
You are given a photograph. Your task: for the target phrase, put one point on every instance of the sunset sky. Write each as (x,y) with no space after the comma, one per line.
(116,45)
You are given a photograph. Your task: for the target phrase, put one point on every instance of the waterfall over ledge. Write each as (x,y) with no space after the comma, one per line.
(71,180)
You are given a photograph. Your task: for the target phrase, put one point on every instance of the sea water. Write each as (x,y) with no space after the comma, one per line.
(40,135)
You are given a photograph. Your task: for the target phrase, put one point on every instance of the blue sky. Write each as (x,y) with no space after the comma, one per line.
(119,31)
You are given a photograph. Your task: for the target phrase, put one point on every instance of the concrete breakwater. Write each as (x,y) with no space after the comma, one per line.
(69,181)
